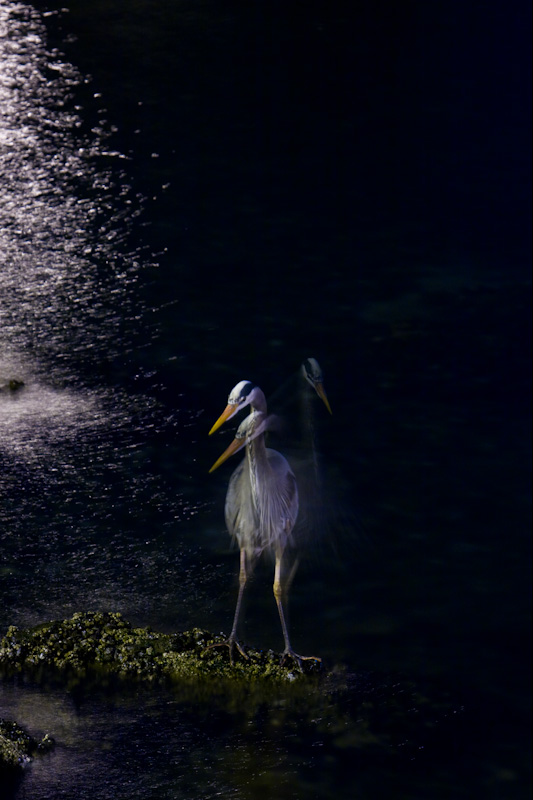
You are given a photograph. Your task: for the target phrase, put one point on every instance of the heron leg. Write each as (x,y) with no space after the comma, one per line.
(243,577)
(278,594)
(232,642)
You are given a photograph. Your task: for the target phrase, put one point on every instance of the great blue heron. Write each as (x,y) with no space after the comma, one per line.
(294,403)
(261,502)
(311,372)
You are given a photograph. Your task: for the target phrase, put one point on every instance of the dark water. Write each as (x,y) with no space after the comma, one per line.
(196,193)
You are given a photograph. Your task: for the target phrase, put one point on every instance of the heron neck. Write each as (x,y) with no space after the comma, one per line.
(257,461)
(259,402)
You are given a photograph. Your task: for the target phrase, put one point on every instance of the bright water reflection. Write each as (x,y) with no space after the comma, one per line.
(87,518)
(65,208)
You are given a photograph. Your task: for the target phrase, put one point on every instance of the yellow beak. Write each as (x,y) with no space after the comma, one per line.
(228,412)
(322,394)
(235,446)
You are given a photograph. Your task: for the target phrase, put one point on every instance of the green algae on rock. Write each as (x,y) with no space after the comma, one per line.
(98,647)
(362,717)
(17,746)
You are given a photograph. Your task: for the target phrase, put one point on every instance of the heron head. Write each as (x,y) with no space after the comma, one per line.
(313,375)
(250,428)
(311,371)
(243,394)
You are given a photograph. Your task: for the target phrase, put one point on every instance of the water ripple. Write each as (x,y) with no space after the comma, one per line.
(89,495)
(66,208)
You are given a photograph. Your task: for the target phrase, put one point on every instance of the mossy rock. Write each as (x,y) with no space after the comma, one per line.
(362,715)
(99,648)
(17,747)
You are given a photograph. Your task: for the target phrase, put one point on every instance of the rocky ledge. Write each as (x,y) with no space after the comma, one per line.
(17,747)
(95,647)
(380,714)
(100,650)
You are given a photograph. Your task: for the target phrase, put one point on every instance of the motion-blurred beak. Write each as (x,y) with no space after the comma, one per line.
(228,412)
(235,446)
(322,394)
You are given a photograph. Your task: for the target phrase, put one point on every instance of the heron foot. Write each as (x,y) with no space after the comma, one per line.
(231,643)
(289,653)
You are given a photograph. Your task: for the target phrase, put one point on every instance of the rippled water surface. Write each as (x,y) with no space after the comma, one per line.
(75,443)
(192,194)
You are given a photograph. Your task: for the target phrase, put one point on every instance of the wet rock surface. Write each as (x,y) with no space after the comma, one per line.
(17,747)
(376,714)
(99,648)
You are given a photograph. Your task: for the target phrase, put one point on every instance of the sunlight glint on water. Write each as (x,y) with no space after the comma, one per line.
(63,217)
(86,520)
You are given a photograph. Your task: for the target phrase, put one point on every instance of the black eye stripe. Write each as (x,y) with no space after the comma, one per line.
(246,390)
(312,371)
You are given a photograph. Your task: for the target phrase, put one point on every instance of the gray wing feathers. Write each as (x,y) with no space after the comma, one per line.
(266,520)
